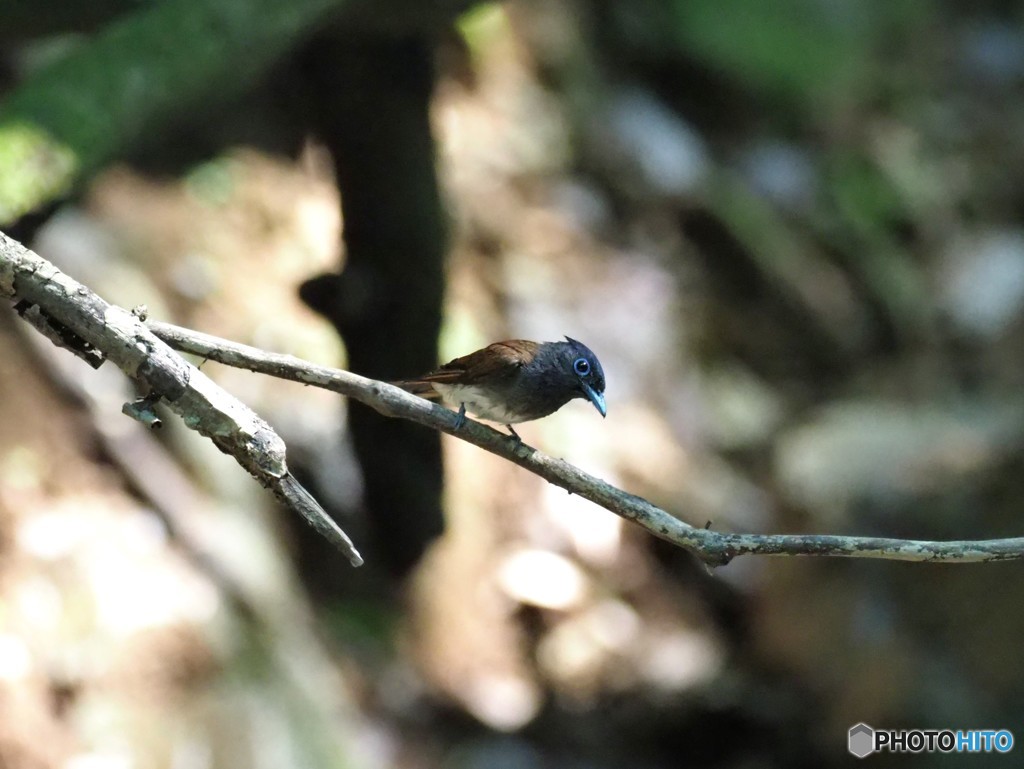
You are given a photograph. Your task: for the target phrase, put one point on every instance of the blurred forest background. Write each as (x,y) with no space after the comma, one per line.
(792,231)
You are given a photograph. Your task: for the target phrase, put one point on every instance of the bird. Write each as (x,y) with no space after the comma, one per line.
(515,381)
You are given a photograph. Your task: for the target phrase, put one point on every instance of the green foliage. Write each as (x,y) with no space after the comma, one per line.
(483,25)
(801,49)
(144,72)
(862,193)
(35,167)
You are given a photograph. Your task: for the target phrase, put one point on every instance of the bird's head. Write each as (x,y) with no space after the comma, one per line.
(586,372)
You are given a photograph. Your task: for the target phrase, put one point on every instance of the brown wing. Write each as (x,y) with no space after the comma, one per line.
(492,360)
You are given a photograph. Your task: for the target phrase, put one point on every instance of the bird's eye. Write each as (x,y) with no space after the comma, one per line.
(581,366)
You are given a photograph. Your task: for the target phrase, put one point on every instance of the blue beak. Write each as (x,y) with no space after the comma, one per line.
(595,397)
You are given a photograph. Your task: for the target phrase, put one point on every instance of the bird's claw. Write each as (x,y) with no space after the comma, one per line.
(460,418)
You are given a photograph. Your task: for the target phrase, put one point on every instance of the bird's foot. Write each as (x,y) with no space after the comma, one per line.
(515,435)
(460,418)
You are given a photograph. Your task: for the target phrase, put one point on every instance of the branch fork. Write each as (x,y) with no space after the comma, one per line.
(83,322)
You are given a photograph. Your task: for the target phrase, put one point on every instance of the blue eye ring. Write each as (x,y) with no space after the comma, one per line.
(581,366)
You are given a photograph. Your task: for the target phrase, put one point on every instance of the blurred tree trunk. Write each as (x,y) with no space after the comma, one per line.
(372,102)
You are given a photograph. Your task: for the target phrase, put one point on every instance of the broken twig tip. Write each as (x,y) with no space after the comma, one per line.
(142,411)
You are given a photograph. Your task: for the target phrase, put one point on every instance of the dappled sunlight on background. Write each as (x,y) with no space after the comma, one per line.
(794,244)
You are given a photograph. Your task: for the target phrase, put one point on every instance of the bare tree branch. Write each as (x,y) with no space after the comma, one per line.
(714,548)
(76,318)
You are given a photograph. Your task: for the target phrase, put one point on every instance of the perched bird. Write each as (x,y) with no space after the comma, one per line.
(516,381)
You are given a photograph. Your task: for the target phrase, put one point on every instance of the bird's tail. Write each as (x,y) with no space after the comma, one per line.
(418,387)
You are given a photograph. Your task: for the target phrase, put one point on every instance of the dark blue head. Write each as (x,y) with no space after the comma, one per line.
(587,372)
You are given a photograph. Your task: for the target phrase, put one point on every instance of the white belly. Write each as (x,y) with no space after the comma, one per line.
(477,403)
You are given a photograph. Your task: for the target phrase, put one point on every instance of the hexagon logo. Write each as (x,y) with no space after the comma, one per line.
(861,740)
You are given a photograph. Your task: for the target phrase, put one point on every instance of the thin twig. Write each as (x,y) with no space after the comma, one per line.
(77,318)
(712,547)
